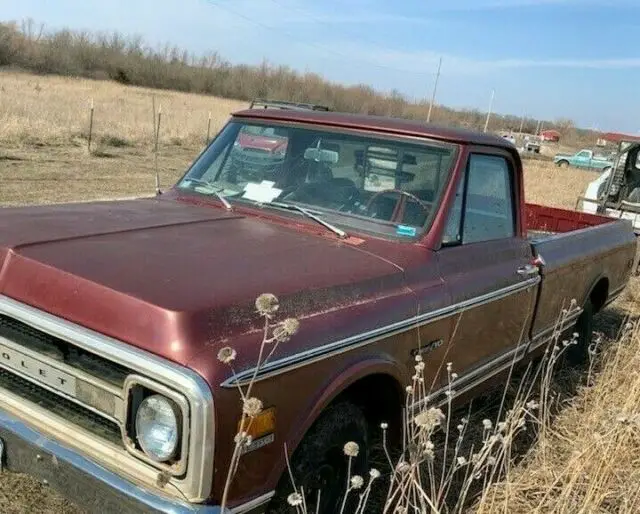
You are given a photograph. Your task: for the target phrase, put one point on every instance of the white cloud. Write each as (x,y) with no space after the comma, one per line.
(287,16)
(425,61)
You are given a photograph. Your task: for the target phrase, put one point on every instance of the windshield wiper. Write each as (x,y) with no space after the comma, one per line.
(311,215)
(224,201)
(209,185)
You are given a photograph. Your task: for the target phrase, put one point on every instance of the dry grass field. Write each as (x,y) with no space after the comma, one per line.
(44,122)
(589,461)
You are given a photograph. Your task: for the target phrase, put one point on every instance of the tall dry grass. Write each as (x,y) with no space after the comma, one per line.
(55,110)
(589,459)
(546,184)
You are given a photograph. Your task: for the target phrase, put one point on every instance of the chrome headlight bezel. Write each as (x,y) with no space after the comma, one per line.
(135,385)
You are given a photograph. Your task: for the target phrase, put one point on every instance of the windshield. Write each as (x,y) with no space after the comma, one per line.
(385,187)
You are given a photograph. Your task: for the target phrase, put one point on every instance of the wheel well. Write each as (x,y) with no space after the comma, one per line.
(379,396)
(599,294)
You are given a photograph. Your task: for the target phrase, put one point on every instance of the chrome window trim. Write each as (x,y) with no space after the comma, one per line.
(196,484)
(176,469)
(311,355)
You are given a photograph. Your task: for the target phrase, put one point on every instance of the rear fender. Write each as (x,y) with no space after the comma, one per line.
(591,288)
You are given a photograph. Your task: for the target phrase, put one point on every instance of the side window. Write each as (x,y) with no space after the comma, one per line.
(488,205)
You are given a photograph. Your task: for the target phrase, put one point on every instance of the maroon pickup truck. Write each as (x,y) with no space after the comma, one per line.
(383,237)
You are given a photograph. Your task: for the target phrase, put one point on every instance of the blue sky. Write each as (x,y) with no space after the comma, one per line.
(545,58)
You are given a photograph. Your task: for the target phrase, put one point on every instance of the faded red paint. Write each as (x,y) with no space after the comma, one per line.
(177,275)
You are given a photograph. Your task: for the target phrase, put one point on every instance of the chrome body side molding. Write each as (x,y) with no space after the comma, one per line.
(307,357)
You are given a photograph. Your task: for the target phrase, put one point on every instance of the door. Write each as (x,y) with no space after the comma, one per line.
(583,159)
(486,264)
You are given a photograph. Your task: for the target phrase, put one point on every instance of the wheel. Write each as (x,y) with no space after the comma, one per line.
(320,464)
(563,164)
(577,354)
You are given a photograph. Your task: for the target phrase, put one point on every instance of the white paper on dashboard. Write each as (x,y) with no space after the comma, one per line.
(263,192)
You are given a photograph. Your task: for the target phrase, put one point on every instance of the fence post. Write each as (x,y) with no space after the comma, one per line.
(157,136)
(153,114)
(208,129)
(90,126)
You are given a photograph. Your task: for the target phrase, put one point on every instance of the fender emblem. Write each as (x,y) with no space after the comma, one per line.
(429,347)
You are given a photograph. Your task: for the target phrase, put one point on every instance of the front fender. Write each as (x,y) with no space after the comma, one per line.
(333,387)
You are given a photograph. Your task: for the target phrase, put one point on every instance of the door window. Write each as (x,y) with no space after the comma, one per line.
(487,203)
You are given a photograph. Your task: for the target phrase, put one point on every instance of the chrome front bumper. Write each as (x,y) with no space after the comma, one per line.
(79,479)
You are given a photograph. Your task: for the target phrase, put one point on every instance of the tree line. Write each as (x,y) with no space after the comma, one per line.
(128,60)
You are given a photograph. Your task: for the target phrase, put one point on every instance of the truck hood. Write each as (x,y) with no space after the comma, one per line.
(172,278)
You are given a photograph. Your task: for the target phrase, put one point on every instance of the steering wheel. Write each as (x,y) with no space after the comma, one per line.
(396,210)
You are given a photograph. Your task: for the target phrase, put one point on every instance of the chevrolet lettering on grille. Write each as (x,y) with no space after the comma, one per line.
(36,370)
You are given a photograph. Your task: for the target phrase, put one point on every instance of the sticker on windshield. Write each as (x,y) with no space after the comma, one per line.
(405,230)
(263,192)
(375,183)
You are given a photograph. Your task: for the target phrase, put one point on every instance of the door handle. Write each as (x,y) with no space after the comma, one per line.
(528,270)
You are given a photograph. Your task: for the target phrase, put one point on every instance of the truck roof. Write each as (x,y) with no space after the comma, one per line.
(383,124)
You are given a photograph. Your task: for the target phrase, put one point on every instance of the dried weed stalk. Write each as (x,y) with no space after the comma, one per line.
(436,471)
(273,335)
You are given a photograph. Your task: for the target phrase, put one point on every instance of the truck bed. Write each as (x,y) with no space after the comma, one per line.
(578,249)
(547,222)
(562,236)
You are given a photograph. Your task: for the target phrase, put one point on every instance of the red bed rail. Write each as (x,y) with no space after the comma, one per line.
(552,219)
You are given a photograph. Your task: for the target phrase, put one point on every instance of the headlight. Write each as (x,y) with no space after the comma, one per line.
(158,427)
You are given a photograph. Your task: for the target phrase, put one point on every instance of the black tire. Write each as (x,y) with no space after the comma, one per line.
(319,461)
(578,353)
(563,164)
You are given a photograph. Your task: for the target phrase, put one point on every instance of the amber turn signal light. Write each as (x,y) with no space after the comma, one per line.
(263,424)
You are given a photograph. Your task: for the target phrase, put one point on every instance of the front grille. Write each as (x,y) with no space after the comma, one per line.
(62,351)
(60,406)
